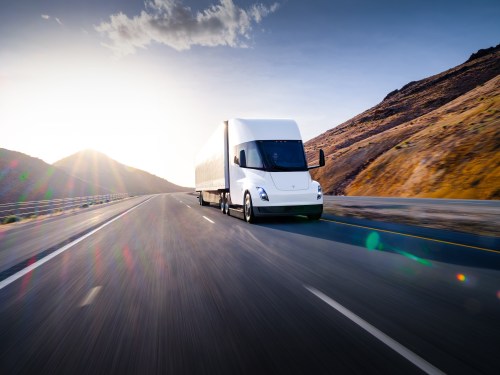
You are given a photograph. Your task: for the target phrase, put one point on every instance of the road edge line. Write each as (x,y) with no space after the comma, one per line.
(55,253)
(410,235)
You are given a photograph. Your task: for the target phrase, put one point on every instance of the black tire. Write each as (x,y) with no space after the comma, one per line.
(248,209)
(228,199)
(314,217)
(202,202)
(223,203)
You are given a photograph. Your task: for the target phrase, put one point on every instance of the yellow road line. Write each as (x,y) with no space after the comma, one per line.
(413,236)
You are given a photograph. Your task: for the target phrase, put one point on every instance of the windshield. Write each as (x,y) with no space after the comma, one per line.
(283,155)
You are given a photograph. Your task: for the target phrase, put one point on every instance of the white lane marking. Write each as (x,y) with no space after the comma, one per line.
(188,206)
(38,263)
(206,218)
(91,296)
(393,344)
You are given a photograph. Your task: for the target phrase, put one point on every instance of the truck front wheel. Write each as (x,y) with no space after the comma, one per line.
(314,217)
(248,209)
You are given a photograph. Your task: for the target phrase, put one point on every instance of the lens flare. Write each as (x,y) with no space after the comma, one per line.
(48,194)
(50,171)
(372,241)
(26,281)
(461,277)
(127,256)
(23,176)
(425,262)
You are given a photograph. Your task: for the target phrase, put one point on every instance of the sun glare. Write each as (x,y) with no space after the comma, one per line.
(125,111)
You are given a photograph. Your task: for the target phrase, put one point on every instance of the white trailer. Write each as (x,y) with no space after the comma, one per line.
(253,168)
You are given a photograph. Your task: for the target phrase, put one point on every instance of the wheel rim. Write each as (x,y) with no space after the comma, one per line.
(248,209)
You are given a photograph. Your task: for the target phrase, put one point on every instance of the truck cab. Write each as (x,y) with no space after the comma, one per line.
(258,168)
(268,170)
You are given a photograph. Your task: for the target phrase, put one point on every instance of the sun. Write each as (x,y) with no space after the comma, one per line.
(118,108)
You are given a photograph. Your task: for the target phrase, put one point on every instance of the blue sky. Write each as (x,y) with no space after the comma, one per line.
(147,82)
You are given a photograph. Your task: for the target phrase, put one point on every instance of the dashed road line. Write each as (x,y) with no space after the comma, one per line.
(391,343)
(206,218)
(91,295)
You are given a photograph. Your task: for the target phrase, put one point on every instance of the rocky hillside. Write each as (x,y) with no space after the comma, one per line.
(101,170)
(456,155)
(421,140)
(24,178)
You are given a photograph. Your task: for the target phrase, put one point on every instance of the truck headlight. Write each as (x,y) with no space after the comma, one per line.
(262,194)
(320,193)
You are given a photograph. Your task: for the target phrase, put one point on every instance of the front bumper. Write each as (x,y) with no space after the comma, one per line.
(310,209)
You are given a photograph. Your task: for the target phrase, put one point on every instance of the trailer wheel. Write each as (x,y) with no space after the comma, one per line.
(248,209)
(223,203)
(202,202)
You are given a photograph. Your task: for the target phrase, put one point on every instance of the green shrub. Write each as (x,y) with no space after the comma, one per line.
(11,219)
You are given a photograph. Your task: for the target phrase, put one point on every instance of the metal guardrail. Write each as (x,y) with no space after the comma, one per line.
(22,210)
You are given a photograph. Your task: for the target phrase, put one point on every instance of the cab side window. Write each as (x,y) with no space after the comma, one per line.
(253,156)
(237,149)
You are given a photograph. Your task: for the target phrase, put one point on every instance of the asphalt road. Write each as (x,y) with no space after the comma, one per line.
(172,287)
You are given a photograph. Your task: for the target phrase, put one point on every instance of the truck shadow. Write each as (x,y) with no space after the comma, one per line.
(420,249)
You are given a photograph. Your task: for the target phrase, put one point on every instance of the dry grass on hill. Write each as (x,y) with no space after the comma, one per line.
(456,154)
(359,146)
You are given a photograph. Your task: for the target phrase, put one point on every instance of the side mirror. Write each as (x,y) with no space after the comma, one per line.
(321,160)
(243,159)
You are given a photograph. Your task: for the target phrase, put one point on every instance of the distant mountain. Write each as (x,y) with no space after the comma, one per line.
(25,178)
(101,170)
(437,137)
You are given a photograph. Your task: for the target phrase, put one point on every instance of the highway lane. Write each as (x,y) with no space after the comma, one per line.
(23,241)
(164,290)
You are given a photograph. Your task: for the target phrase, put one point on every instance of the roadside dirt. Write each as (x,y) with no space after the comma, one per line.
(450,217)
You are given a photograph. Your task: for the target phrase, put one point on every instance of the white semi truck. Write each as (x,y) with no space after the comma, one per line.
(253,168)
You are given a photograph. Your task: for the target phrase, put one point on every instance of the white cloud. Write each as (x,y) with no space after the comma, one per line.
(47,17)
(172,23)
